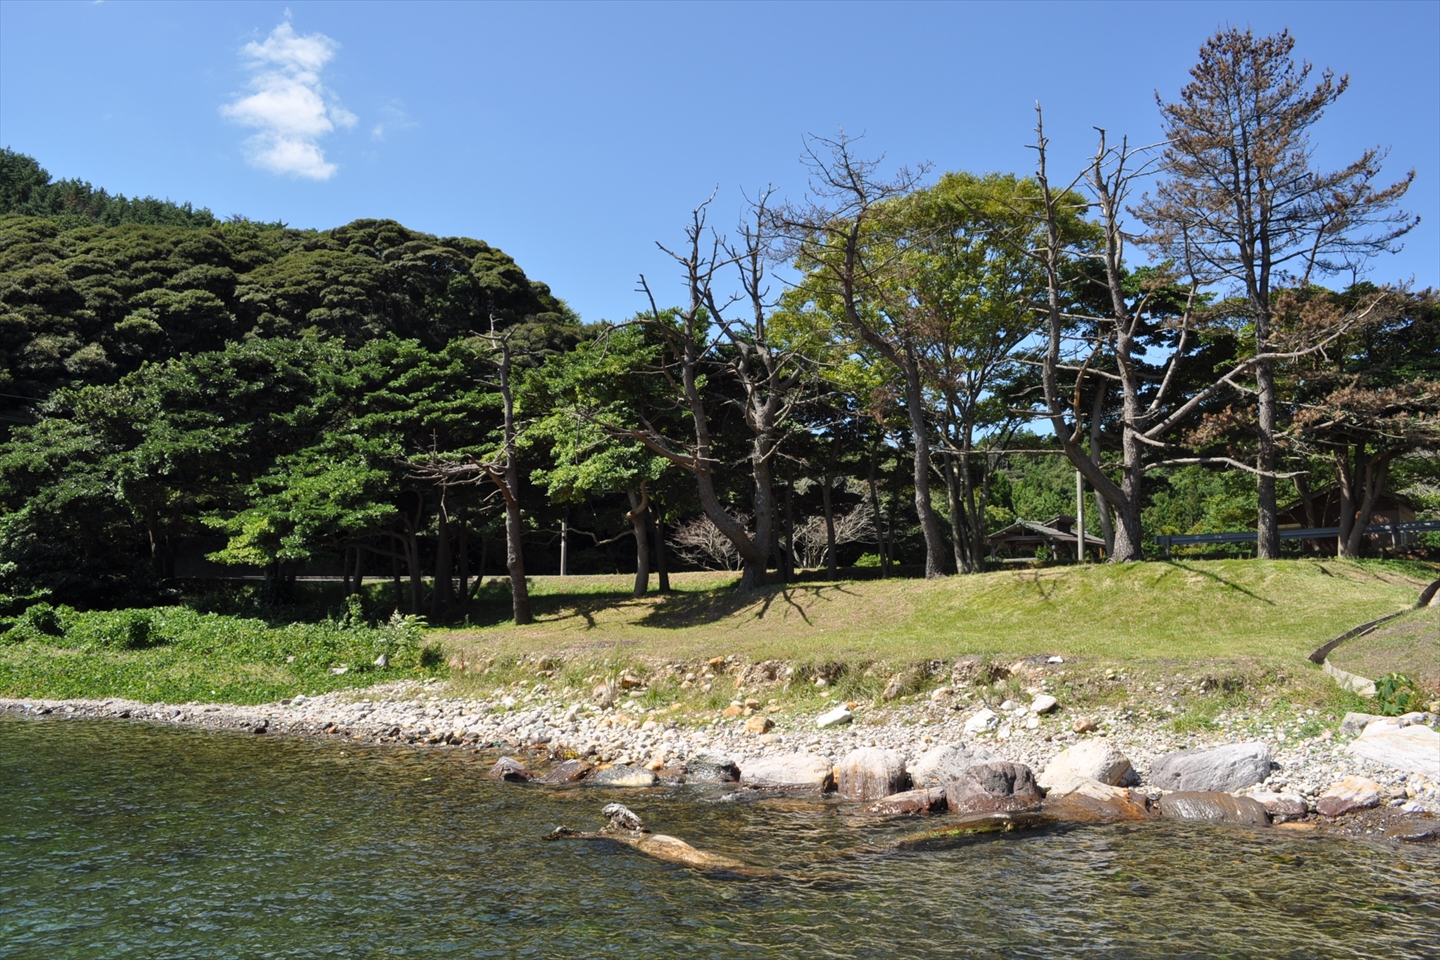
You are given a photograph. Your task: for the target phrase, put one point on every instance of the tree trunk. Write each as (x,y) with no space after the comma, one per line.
(789,571)
(825,499)
(877,517)
(417,576)
(957,537)
(515,562)
(639,511)
(656,520)
(464,540)
(510,490)
(440,595)
(924,509)
(1359,492)
(1267,530)
(1102,507)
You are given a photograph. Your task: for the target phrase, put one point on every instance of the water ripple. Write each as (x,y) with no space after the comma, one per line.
(124,840)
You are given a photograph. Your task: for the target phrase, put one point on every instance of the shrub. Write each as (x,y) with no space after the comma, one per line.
(40,621)
(116,630)
(1395,694)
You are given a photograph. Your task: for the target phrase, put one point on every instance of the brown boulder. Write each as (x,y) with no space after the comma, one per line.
(911,803)
(1082,801)
(870,773)
(996,787)
(510,770)
(571,771)
(1214,806)
(1347,796)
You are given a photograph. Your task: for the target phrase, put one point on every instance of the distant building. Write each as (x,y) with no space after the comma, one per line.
(1020,541)
(1323,510)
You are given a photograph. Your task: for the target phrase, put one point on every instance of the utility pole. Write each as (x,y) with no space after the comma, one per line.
(564,548)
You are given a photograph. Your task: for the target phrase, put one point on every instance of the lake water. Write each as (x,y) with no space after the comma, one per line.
(128,840)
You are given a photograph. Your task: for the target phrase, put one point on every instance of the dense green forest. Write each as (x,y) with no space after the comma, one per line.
(182,396)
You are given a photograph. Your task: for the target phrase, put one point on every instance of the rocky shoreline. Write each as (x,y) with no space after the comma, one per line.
(908,755)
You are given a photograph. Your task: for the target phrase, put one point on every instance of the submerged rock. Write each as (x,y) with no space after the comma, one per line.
(1415,829)
(870,773)
(1280,806)
(995,787)
(911,803)
(969,826)
(1234,766)
(709,769)
(571,771)
(510,770)
(794,772)
(1214,806)
(1090,801)
(623,776)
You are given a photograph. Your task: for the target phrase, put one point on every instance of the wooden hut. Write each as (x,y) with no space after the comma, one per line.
(1323,510)
(1020,541)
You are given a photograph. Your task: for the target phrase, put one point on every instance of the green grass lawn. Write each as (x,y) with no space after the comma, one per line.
(1212,616)
(176,655)
(1157,610)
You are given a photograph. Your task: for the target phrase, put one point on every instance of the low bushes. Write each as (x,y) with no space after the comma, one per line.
(176,653)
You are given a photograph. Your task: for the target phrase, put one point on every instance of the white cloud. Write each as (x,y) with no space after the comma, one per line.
(288,104)
(394,118)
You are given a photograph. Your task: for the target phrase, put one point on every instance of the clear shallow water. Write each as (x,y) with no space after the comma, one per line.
(125,840)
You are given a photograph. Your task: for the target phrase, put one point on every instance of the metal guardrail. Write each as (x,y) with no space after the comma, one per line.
(1312,533)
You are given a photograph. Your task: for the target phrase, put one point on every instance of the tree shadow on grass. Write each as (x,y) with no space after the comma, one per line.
(678,611)
(1218,579)
(674,611)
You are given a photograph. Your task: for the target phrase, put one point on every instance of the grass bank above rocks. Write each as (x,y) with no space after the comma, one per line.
(1183,643)
(178,655)
(1183,610)
(1219,626)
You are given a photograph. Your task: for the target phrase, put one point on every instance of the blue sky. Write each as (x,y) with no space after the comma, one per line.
(574,136)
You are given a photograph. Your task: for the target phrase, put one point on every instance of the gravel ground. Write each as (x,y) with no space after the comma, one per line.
(533,721)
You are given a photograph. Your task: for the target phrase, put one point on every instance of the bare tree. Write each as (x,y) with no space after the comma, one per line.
(704,544)
(1241,207)
(842,236)
(705,337)
(1112,339)
(817,538)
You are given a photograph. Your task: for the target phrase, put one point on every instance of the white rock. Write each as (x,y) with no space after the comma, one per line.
(1089,760)
(1414,748)
(938,766)
(839,715)
(983,722)
(1044,703)
(1009,705)
(1056,660)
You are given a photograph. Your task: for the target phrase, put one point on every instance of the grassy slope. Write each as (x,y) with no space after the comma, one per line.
(1408,645)
(1181,610)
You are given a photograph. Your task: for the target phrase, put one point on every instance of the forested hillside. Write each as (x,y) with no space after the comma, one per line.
(182,396)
